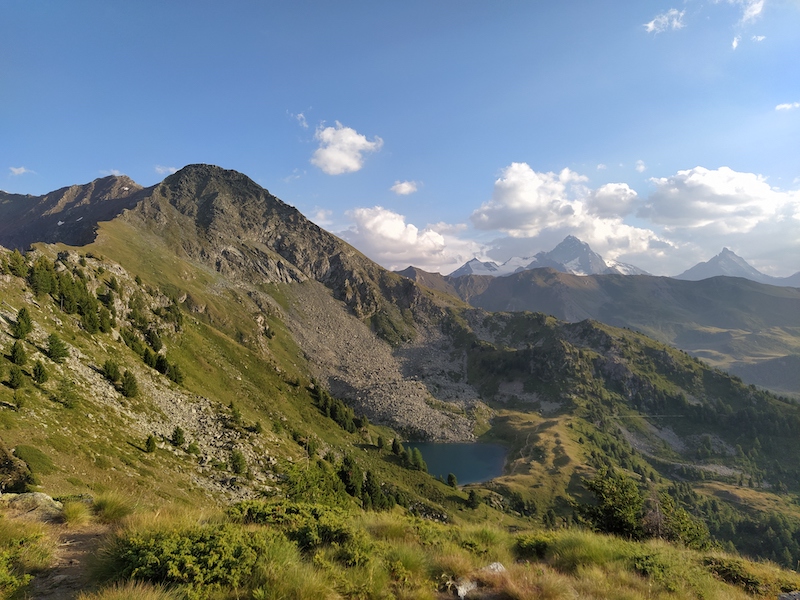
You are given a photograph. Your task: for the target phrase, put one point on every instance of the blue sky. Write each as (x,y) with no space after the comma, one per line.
(429,132)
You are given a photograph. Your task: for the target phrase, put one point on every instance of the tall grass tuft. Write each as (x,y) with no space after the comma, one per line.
(76,513)
(132,590)
(112,507)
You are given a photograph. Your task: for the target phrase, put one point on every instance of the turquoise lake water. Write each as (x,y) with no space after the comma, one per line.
(469,462)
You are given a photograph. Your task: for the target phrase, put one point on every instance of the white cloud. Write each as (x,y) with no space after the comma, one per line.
(537,210)
(672,19)
(387,238)
(715,201)
(788,106)
(19,170)
(640,166)
(321,216)
(601,167)
(525,201)
(758,38)
(689,217)
(751,9)
(735,42)
(404,188)
(341,149)
(301,119)
(612,200)
(114,172)
(162,170)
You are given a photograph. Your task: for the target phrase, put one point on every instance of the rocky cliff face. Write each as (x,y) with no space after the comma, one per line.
(69,215)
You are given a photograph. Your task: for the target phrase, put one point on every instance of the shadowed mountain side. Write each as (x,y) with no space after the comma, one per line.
(69,215)
(725,320)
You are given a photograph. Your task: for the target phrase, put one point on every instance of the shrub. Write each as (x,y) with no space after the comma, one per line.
(150,443)
(212,556)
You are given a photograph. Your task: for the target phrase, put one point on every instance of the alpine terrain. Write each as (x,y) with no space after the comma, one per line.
(215,398)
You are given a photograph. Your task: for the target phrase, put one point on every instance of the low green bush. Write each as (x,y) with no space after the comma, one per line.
(211,556)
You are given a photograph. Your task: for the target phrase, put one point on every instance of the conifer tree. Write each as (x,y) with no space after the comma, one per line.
(39,372)
(16,378)
(18,354)
(23,325)
(56,348)
(150,443)
(128,385)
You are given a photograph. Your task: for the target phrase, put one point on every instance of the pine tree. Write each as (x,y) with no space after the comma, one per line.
(17,264)
(451,480)
(238,462)
(18,354)
(56,349)
(16,378)
(111,370)
(178,438)
(473,501)
(128,385)
(150,443)
(23,325)
(39,372)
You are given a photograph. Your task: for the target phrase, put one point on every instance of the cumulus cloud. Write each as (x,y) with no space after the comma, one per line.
(601,167)
(386,237)
(537,210)
(525,201)
(720,200)
(702,210)
(640,166)
(404,188)
(114,172)
(321,216)
(788,106)
(612,200)
(162,170)
(758,38)
(735,42)
(672,19)
(341,149)
(19,170)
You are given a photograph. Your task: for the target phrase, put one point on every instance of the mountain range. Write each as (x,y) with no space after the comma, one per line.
(273,360)
(570,256)
(577,258)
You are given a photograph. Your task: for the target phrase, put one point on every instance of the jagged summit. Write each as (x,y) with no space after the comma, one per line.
(729,264)
(570,256)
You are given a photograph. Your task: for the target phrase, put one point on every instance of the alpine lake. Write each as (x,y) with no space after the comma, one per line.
(469,462)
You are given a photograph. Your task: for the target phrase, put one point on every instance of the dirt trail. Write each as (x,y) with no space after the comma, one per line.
(68,575)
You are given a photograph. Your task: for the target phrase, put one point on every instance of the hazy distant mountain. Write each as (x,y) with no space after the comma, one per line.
(570,256)
(729,264)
